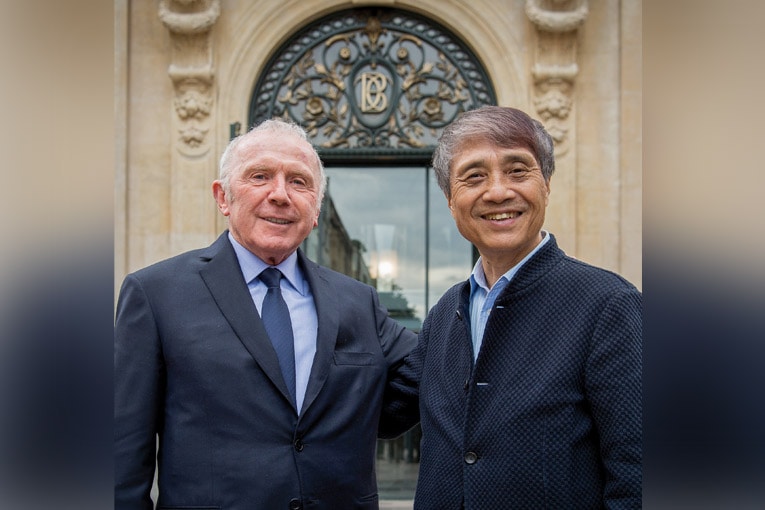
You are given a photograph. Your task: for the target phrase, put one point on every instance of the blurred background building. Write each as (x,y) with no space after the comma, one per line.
(374,83)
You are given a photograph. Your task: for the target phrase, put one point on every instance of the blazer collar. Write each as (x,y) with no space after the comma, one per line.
(534,268)
(224,279)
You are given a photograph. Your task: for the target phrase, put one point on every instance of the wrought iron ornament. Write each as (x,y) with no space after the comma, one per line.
(368,82)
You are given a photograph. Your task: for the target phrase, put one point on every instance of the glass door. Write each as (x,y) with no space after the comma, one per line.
(390,227)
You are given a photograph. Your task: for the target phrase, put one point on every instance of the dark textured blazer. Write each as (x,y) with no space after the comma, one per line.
(195,368)
(549,415)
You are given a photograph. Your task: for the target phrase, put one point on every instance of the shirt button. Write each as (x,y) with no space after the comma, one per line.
(295,504)
(470,458)
(299,445)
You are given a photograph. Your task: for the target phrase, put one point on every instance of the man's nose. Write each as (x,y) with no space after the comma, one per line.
(498,188)
(278,190)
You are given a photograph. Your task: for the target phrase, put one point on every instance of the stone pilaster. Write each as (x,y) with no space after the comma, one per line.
(555,66)
(553,72)
(191,70)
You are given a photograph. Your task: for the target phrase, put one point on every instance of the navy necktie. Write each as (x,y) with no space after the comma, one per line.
(276,318)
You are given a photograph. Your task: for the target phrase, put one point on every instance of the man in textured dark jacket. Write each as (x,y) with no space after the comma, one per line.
(529,373)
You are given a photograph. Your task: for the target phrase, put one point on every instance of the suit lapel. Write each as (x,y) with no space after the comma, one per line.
(223,278)
(327,312)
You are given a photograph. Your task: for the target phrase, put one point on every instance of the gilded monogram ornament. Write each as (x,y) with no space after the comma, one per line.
(380,81)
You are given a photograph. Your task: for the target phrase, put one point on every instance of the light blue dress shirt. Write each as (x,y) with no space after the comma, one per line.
(482,298)
(297,294)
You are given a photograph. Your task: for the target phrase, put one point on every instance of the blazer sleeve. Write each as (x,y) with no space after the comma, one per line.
(614,390)
(138,382)
(401,411)
(397,343)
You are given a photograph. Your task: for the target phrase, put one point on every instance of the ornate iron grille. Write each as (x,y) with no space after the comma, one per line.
(371,82)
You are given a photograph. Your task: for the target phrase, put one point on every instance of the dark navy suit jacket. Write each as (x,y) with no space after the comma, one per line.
(195,369)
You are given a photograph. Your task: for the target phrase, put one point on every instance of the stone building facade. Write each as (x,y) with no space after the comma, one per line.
(186,70)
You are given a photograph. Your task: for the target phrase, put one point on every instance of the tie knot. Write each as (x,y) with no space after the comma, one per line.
(271,277)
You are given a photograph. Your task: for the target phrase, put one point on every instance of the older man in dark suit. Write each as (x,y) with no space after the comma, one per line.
(248,417)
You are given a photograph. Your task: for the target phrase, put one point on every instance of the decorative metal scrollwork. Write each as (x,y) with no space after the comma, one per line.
(371,81)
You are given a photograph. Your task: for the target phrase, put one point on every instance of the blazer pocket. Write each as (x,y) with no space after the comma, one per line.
(353,358)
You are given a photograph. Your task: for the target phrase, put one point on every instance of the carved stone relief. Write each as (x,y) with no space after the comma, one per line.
(191,69)
(555,67)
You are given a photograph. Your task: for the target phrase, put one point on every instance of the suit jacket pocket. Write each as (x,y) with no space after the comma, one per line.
(353,358)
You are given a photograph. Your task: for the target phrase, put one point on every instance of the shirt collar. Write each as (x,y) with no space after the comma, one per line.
(252,266)
(478,277)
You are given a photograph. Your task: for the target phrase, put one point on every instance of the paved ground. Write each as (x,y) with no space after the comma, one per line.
(396,505)
(395,483)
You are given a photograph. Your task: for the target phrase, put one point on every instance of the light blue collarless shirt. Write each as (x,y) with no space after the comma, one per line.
(482,298)
(299,298)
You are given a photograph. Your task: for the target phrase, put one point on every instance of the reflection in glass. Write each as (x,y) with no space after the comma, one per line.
(450,255)
(391,228)
(383,210)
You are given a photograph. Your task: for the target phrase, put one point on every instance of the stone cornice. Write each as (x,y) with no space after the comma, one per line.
(189,23)
(556,20)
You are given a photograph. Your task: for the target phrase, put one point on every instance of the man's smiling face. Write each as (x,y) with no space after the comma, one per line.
(498,199)
(272,200)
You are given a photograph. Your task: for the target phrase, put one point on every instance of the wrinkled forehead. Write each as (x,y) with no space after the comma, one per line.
(279,146)
(498,141)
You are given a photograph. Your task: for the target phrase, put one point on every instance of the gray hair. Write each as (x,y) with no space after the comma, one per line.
(277,126)
(504,126)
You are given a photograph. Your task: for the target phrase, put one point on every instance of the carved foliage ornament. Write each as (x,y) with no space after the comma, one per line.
(555,68)
(189,23)
(376,80)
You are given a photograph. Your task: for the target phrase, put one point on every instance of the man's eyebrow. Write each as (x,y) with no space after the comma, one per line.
(473,163)
(255,167)
(514,157)
(519,157)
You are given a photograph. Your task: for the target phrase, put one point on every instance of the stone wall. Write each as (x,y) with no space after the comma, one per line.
(186,69)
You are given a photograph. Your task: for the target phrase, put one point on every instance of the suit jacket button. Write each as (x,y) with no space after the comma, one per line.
(299,445)
(470,458)
(295,504)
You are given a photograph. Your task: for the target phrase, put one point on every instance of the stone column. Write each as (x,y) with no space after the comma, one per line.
(553,72)
(193,164)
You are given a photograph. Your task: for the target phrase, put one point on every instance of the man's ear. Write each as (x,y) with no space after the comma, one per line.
(220,197)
